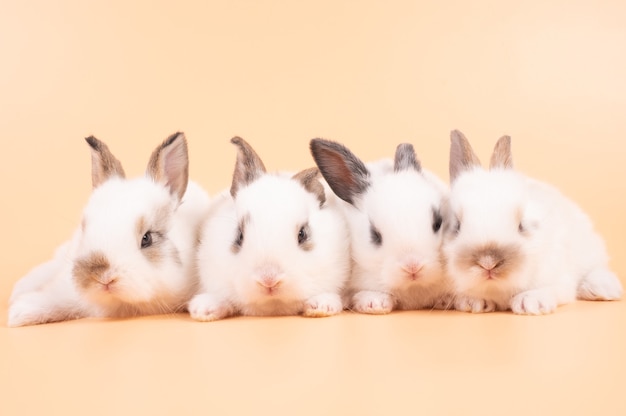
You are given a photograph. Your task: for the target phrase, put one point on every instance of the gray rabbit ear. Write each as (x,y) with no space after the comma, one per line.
(346,175)
(248,167)
(169,164)
(308,179)
(103,164)
(405,158)
(462,156)
(501,156)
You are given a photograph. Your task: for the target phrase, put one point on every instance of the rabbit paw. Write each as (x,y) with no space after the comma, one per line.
(37,308)
(326,304)
(206,308)
(534,302)
(474,305)
(600,284)
(369,301)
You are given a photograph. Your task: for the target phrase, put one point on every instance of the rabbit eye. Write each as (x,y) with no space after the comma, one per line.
(303,234)
(521,228)
(457,227)
(239,237)
(375,236)
(437,221)
(146,240)
(239,240)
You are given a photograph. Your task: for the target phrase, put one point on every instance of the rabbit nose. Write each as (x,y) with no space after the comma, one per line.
(269,282)
(488,262)
(106,280)
(412,269)
(412,266)
(269,277)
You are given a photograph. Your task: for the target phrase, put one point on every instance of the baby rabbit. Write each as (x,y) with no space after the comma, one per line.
(274,245)
(394,214)
(134,251)
(516,243)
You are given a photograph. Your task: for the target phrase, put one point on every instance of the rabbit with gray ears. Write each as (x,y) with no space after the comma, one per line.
(273,245)
(134,251)
(394,214)
(517,243)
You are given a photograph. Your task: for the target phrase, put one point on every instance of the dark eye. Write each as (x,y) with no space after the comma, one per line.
(303,235)
(376,237)
(457,226)
(521,228)
(239,240)
(437,221)
(146,240)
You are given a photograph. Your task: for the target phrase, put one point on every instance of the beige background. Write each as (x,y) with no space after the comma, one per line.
(278,73)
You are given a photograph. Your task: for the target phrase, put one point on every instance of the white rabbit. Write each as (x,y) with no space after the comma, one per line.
(274,245)
(394,214)
(134,251)
(516,243)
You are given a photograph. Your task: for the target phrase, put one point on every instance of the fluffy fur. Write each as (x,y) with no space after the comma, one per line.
(394,214)
(273,246)
(134,251)
(516,243)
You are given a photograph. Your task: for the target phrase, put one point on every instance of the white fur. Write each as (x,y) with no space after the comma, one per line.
(400,205)
(275,206)
(49,293)
(561,254)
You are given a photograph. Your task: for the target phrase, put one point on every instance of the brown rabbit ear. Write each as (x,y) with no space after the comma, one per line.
(462,156)
(103,164)
(346,175)
(248,167)
(308,179)
(169,164)
(405,158)
(501,156)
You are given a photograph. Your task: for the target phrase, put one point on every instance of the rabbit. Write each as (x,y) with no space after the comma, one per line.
(134,251)
(393,209)
(515,243)
(272,245)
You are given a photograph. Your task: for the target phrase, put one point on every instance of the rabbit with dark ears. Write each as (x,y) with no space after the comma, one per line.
(515,243)
(134,251)
(394,214)
(273,245)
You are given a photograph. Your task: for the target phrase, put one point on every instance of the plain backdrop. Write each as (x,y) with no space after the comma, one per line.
(370,74)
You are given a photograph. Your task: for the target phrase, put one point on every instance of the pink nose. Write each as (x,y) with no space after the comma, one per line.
(106,281)
(412,269)
(269,281)
(488,262)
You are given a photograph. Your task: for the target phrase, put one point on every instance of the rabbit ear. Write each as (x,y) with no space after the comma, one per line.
(169,164)
(501,157)
(346,175)
(103,164)
(462,156)
(308,179)
(248,167)
(405,158)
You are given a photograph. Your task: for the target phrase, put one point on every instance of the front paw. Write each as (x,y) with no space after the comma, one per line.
(600,284)
(326,304)
(534,302)
(369,301)
(38,308)
(23,313)
(206,308)
(474,305)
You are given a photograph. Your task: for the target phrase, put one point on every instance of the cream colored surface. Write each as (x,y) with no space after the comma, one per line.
(278,73)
